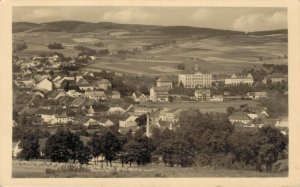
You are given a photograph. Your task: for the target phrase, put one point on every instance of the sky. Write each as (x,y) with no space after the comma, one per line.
(238,18)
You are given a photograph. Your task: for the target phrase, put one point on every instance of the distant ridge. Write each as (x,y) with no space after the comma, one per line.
(81,26)
(280,31)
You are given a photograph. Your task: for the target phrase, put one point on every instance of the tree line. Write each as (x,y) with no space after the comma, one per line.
(199,139)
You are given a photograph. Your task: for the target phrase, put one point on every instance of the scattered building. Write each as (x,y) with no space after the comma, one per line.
(240,117)
(217,98)
(257,95)
(45,84)
(202,94)
(159,94)
(164,81)
(195,79)
(237,79)
(95,95)
(129,122)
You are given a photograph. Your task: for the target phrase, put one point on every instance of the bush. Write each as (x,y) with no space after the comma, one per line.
(55,46)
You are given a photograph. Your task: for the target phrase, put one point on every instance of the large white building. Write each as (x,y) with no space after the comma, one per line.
(236,79)
(195,79)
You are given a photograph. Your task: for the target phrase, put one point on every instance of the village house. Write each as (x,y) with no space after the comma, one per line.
(105,122)
(140,110)
(257,95)
(202,94)
(164,81)
(115,95)
(95,95)
(275,78)
(56,94)
(103,84)
(45,84)
(257,112)
(61,119)
(129,122)
(89,122)
(217,98)
(73,93)
(240,118)
(195,79)
(139,97)
(90,111)
(77,102)
(167,114)
(236,79)
(116,110)
(159,94)
(85,85)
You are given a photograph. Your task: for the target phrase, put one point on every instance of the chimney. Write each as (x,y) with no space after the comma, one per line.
(148,126)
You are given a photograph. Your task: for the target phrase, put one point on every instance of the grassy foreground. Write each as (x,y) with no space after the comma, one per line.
(149,171)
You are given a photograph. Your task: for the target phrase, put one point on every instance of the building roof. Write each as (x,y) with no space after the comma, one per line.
(164,78)
(202,90)
(83,82)
(104,81)
(160,89)
(257,93)
(95,93)
(241,76)
(78,101)
(239,116)
(277,75)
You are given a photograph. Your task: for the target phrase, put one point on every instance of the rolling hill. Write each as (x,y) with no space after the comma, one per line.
(80,27)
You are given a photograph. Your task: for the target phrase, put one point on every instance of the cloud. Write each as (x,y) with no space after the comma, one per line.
(261,21)
(201,14)
(41,15)
(132,15)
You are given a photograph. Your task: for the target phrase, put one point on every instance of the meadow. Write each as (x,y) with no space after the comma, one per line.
(216,54)
(32,170)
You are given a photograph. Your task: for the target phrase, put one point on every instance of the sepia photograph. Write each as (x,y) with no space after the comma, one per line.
(149,93)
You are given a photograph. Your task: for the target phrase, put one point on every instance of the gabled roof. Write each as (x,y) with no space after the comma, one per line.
(78,101)
(83,82)
(241,76)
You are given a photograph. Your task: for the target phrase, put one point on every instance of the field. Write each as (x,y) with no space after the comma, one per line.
(148,171)
(216,54)
(205,106)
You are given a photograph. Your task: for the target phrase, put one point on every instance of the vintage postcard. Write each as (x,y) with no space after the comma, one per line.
(150,93)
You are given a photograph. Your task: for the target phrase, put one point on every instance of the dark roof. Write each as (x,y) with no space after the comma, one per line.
(161,89)
(164,78)
(239,116)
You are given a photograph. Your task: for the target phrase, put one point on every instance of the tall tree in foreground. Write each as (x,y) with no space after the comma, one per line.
(111,146)
(29,145)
